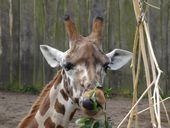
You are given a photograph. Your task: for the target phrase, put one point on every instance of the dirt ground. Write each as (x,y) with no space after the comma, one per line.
(13,107)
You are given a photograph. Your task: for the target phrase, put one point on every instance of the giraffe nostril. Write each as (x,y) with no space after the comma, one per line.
(88,104)
(88,85)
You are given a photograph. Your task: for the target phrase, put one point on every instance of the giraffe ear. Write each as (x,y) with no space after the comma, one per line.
(53,56)
(118,58)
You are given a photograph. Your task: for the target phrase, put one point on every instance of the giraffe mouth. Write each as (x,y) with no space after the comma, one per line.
(92,102)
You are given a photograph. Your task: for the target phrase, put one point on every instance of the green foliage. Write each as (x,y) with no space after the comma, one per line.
(86,122)
(122,91)
(29,89)
(108,92)
(89,122)
(93,98)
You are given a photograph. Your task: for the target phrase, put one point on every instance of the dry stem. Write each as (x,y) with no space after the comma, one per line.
(156,94)
(140,112)
(143,94)
(151,62)
(147,73)
(135,78)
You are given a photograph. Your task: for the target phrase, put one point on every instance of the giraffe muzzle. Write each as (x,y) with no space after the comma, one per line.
(88,104)
(92,101)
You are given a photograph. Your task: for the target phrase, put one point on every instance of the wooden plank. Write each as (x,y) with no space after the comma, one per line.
(61,38)
(38,22)
(0,35)
(167,89)
(50,24)
(98,8)
(15,43)
(5,40)
(38,77)
(27,41)
(83,17)
(155,27)
(127,30)
(0,39)
(163,51)
(127,24)
(113,39)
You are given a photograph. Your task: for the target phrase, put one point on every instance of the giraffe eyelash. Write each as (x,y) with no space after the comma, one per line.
(105,66)
(68,66)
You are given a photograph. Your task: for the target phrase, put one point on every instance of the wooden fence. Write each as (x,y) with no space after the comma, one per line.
(25,24)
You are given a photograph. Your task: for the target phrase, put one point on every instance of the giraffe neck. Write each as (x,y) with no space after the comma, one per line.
(56,110)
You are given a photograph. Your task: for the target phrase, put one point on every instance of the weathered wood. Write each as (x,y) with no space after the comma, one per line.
(159,24)
(165,38)
(5,40)
(16,43)
(167,89)
(0,36)
(27,41)
(38,75)
(49,35)
(36,22)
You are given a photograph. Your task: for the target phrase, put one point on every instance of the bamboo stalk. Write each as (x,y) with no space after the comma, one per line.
(135,78)
(135,75)
(136,9)
(153,6)
(143,94)
(134,113)
(167,116)
(140,112)
(145,60)
(154,100)
(153,75)
(136,83)
(156,94)
(147,73)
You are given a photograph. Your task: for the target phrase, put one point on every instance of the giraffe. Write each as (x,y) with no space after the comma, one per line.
(83,64)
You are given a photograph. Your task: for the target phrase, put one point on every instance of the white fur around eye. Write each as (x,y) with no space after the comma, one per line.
(98,68)
(70,73)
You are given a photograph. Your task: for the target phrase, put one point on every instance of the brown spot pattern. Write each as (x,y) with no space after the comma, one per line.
(59,126)
(68,79)
(71,91)
(76,100)
(60,108)
(45,105)
(72,114)
(63,93)
(48,123)
(100,96)
(33,124)
(58,80)
(68,89)
(66,86)
(35,107)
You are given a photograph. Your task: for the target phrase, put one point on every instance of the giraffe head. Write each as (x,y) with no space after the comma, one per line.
(85,64)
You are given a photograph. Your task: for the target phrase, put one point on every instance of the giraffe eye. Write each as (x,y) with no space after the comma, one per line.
(68,66)
(105,66)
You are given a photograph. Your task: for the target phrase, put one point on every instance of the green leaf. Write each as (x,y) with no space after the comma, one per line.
(86,122)
(108,92)
(98,84)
